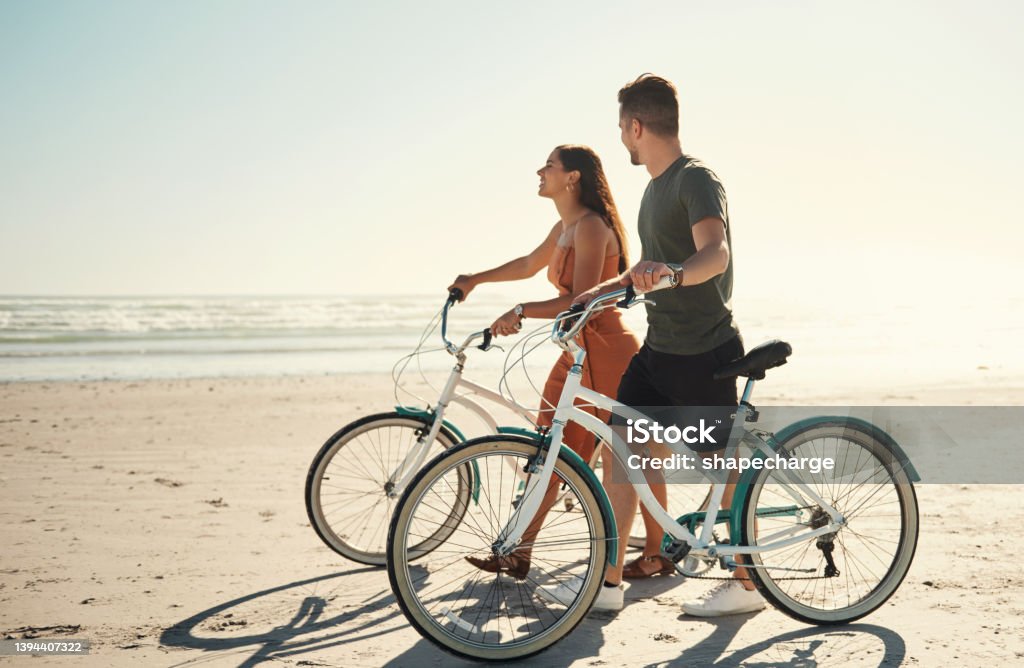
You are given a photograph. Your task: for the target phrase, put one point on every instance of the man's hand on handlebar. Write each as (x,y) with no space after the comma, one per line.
(626,279)
(646,274)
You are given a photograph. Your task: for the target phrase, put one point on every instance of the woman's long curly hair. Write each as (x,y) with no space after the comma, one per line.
(594,191)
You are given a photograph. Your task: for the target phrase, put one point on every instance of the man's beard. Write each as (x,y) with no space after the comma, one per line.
(634,157)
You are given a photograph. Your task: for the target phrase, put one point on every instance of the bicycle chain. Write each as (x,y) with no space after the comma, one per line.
(795,577)
(709,577)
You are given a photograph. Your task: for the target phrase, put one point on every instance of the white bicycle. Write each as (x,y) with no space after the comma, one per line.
(360,471)
(822,551)
(355,478)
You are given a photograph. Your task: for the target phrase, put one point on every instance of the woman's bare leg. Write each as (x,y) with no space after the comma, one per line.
(623,498)
(652,545)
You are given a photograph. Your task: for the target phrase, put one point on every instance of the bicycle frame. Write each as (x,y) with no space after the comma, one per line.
(403,474)
(566,411)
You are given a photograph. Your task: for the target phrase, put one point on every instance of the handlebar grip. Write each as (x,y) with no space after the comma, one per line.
(664,283)
(487,340)
(574,312)
(455,295)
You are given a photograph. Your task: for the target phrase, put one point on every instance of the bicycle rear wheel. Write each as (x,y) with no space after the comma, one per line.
(870,554)
(496,616)
(346,498)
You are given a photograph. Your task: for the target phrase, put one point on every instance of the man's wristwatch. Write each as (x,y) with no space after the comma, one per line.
(518,310)
(677,278)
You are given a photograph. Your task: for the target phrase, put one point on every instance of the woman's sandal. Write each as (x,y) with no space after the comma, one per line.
(645,567)
(515,565)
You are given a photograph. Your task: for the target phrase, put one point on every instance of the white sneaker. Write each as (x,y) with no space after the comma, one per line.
(608,598)
(728,598)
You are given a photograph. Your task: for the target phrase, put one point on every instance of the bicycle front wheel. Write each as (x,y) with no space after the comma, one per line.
(870,554)
(346,487)
(497,616)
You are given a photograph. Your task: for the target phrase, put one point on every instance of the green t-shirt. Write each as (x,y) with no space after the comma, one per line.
(696,318)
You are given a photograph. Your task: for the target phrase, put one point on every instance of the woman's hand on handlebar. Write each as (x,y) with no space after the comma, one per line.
(585,298)
(463,282)
(646,274)
(509,323)
(593,293)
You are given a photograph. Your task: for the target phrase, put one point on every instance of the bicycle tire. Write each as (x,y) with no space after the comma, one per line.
(885,539)
(448,614)
(323,499)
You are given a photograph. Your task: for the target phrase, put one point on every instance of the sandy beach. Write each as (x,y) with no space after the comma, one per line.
(164,522)
(224,225)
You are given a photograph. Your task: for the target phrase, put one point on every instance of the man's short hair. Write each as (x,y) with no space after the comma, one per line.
(652,101)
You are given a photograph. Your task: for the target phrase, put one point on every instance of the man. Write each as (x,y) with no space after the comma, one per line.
(684,230)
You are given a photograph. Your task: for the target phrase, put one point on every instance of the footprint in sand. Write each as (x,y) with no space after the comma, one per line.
(30,632)
(168,483)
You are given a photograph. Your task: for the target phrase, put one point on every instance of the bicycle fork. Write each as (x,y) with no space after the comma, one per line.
(402,476)
(541,470)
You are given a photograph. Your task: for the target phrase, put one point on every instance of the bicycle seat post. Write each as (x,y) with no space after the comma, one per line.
(748,389)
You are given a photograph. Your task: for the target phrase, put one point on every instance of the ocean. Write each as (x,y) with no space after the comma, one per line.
(93,338)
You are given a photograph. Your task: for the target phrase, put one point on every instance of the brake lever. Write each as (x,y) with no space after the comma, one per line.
(486,345)
(631,299)
(573,313)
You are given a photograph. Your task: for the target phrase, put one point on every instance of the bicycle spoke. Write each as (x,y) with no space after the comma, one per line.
(865,549)
(463,604)
(347,502)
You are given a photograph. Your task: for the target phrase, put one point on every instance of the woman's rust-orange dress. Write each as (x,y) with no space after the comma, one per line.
(609,344)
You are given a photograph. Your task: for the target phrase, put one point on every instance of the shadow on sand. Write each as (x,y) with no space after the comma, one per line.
(250,627)
(801,648)
(292,619)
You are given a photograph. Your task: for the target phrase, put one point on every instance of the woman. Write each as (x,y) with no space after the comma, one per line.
(585,247)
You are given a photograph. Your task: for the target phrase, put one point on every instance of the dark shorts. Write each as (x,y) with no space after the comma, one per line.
(663,379)
(655,381)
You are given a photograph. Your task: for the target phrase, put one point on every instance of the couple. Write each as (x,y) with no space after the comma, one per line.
(684,230)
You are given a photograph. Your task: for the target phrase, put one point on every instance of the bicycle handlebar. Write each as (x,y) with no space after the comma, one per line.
(569,323)
(567,318)
(454,297)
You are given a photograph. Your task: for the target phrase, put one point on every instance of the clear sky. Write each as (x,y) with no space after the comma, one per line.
(265,147)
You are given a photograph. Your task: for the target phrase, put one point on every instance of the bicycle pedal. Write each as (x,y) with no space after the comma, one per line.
(676,550)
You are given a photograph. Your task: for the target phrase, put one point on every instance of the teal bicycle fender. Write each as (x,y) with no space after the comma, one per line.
(429,415)
(859,424)
(518,431)
(409,411)
(743,486)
